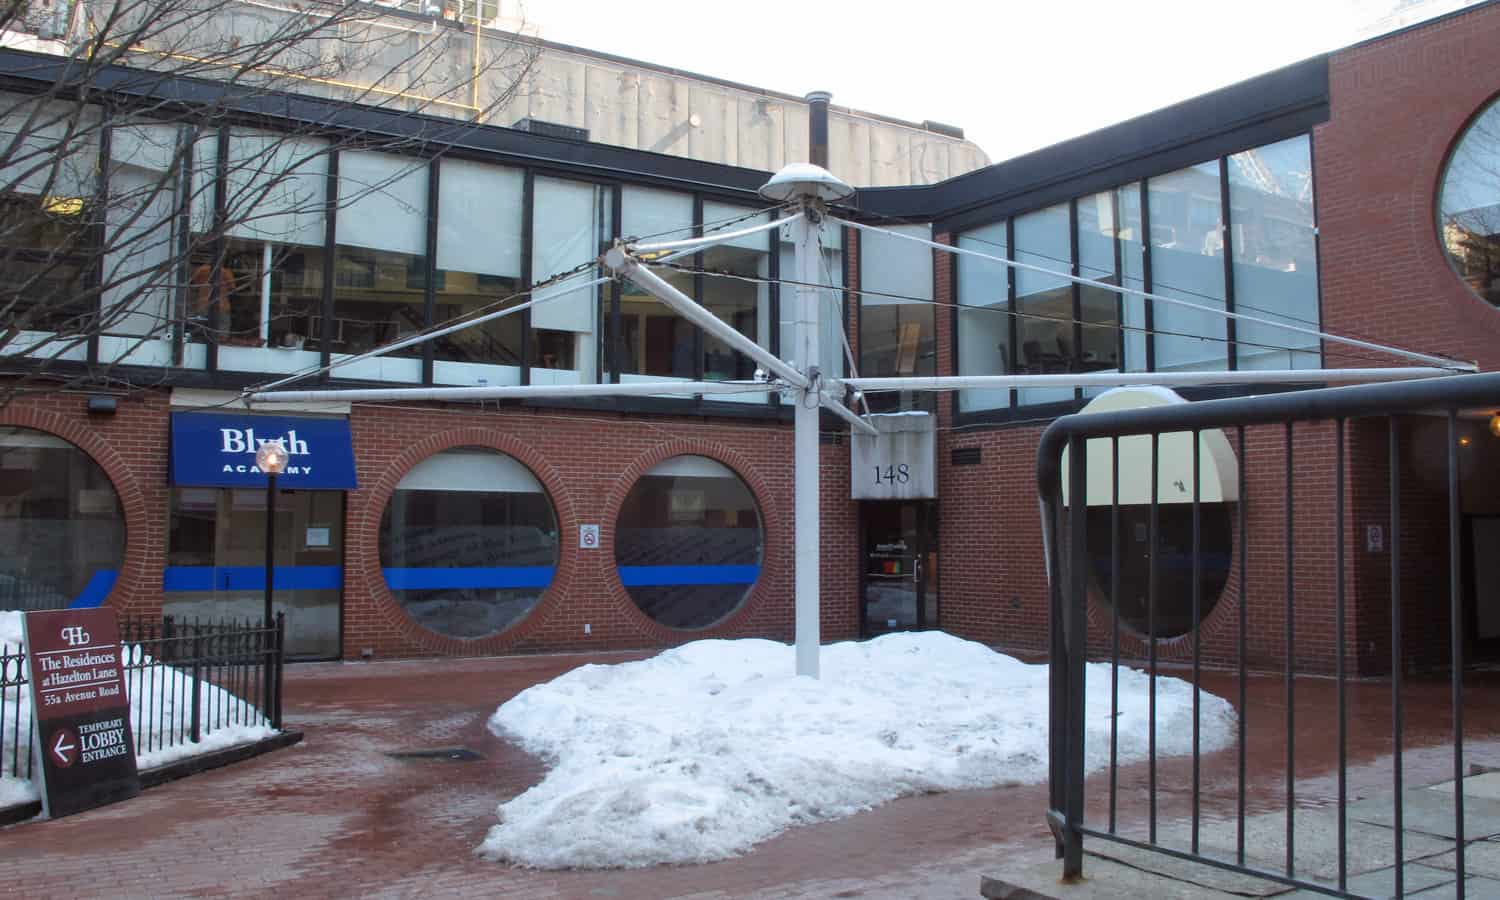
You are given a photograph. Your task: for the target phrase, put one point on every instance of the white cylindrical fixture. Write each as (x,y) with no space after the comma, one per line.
(806,534)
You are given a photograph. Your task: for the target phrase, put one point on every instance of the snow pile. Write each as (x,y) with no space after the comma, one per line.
(161,707)
(703,751)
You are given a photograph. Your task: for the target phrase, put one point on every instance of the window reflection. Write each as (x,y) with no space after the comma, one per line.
(480,213)
(1187,261)
(896,318)
(983,320)
(1275,254)
(1469,206)
(1044,301)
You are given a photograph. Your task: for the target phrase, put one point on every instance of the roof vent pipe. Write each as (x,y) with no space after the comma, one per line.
(817,130)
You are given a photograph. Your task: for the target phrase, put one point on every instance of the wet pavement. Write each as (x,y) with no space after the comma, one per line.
(338,816)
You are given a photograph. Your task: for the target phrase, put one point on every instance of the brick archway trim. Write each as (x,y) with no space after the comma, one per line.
(773,540)
(363,563)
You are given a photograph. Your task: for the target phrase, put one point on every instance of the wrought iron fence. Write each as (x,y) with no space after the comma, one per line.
(189,683)
(1075,569)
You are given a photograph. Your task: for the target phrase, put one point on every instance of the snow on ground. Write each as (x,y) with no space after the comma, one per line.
(703,751)
(160,717)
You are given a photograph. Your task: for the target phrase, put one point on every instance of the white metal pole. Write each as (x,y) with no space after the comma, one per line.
(806,535)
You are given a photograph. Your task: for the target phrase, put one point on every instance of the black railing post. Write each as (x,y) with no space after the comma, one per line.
(1075,620)
(197,724)
(279,662)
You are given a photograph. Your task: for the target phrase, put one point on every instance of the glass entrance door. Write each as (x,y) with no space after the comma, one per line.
(900,566)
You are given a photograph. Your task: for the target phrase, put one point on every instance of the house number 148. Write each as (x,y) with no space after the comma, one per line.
(898,474)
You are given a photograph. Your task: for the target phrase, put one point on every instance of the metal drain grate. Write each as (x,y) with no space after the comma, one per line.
(451,754)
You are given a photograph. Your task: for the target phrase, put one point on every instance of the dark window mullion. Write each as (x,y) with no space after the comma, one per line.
(219,244)
(1120,298)
(616,339)
(699,286)
(1231,349)
(1010,304)
(95,278)
(1076,363)
(330,257)
(429,291)
(185,154)
(1146,282)
(528,196)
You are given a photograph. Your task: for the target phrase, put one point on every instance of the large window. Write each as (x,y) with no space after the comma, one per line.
(468,542)
(745,305)
(897,323)
(657,343)
(570,226)
(480,212)
(832,317)
(261,300)
(984,322)
(688,542)
(1187,261)
(1469,206)
(1044,302)
(47,218)
(62,533)
(1099,308)
(380,264)
(1275,254)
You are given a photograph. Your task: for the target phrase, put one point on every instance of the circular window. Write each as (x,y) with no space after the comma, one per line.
(1218,491)
(1469,206)
(468,542)
(688,542)
(62,532)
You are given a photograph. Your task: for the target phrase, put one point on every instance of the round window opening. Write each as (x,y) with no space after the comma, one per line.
(1469,205)
(468,542)
(688,542)
(1218,480)
(62,531)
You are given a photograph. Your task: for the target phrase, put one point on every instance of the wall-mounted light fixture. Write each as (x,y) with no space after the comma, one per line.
(103,405)
(1495,424)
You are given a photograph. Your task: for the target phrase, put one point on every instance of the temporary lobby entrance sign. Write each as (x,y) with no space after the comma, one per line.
(82,710)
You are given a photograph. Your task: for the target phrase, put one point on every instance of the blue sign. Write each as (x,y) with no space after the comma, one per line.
(218,450)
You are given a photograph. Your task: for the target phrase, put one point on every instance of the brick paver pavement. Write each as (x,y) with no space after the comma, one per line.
(336,816)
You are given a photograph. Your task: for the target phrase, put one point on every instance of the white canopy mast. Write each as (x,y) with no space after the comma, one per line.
(806,190)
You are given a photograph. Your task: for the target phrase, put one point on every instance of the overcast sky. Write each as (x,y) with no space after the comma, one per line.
(1014,74)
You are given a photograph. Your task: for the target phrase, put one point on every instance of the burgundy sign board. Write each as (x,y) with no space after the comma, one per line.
(82,711)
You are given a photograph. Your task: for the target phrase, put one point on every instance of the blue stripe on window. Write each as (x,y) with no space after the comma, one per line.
(492,577)
(96,590)
(251,578)
(661,576)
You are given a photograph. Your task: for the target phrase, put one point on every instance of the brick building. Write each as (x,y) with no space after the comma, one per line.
(1339,192)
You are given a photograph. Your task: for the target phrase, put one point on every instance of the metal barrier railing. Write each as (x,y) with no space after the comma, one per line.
(1066,535)
(185,679)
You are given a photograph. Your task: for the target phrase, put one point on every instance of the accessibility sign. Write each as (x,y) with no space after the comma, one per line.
(82,709)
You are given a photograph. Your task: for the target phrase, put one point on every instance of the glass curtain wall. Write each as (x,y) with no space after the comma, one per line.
(1275,254)
(1271,257)
(897,321)
(984,320)
(380,263)
(480,214)
(570,225)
